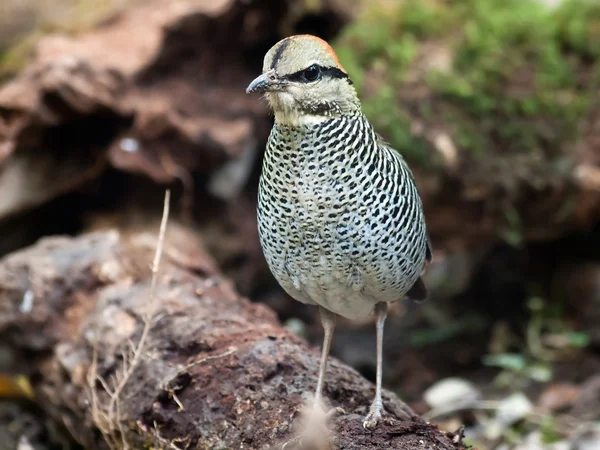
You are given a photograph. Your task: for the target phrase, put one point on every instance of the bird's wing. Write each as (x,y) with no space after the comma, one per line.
(418,291)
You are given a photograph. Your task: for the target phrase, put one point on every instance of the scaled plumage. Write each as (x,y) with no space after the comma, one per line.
(340,219)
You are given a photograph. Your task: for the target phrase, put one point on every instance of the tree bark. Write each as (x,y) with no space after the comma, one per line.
(213,370)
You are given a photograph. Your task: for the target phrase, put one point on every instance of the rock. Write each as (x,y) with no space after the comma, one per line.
(214,368)
(452,394)
(510,410)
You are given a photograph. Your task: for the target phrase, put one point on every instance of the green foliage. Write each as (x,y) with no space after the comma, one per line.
(549,429)
(518,369)
(516,82)
(446,329)
(387,115)
(513,232)
(578,27)
(548,337)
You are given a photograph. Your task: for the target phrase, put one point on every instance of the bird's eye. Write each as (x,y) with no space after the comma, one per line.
(313,73)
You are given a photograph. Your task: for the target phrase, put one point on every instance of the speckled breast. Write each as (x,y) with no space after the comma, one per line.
(337,226)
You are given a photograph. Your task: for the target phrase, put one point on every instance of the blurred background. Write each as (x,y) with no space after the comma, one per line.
(494,103)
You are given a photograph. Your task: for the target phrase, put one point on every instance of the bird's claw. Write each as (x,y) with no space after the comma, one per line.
(373,418)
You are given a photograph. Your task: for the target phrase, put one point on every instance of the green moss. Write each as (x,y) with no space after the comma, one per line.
(64,16)
(578,27)
(520,76)
(13,59)
(387,116)
(379,41)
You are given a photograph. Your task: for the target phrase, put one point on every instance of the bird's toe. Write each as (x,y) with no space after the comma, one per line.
(372,419)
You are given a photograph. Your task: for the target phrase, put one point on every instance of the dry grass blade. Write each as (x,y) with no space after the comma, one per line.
(108,418)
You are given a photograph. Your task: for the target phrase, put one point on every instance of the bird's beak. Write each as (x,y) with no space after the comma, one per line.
(263,83)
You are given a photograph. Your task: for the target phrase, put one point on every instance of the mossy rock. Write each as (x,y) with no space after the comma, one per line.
(26,21)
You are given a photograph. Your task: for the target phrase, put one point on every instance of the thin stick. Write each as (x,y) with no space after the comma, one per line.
(113,408)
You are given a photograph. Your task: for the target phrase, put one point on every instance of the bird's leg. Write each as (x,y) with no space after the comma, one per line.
(377,406)
(318,415)
(328,322)
(315,429)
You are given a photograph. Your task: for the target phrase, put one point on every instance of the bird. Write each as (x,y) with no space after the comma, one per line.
(340,218)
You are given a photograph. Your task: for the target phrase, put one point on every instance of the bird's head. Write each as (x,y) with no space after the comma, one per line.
(304,82)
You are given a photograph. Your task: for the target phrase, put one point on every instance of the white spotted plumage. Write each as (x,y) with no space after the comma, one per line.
(339,216)
(340,219)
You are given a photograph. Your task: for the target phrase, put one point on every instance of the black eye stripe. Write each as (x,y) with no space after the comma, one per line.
(326,72)
(334,72)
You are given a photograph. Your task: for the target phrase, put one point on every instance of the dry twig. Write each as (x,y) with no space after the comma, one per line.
(109,418)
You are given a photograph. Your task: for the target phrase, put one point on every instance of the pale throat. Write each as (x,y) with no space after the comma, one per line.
(294,119)
(287,112)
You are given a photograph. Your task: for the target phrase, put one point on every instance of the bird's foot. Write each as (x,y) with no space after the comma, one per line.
(374,416)
(314,434)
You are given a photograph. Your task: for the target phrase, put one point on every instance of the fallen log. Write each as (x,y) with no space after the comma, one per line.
(186,364)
